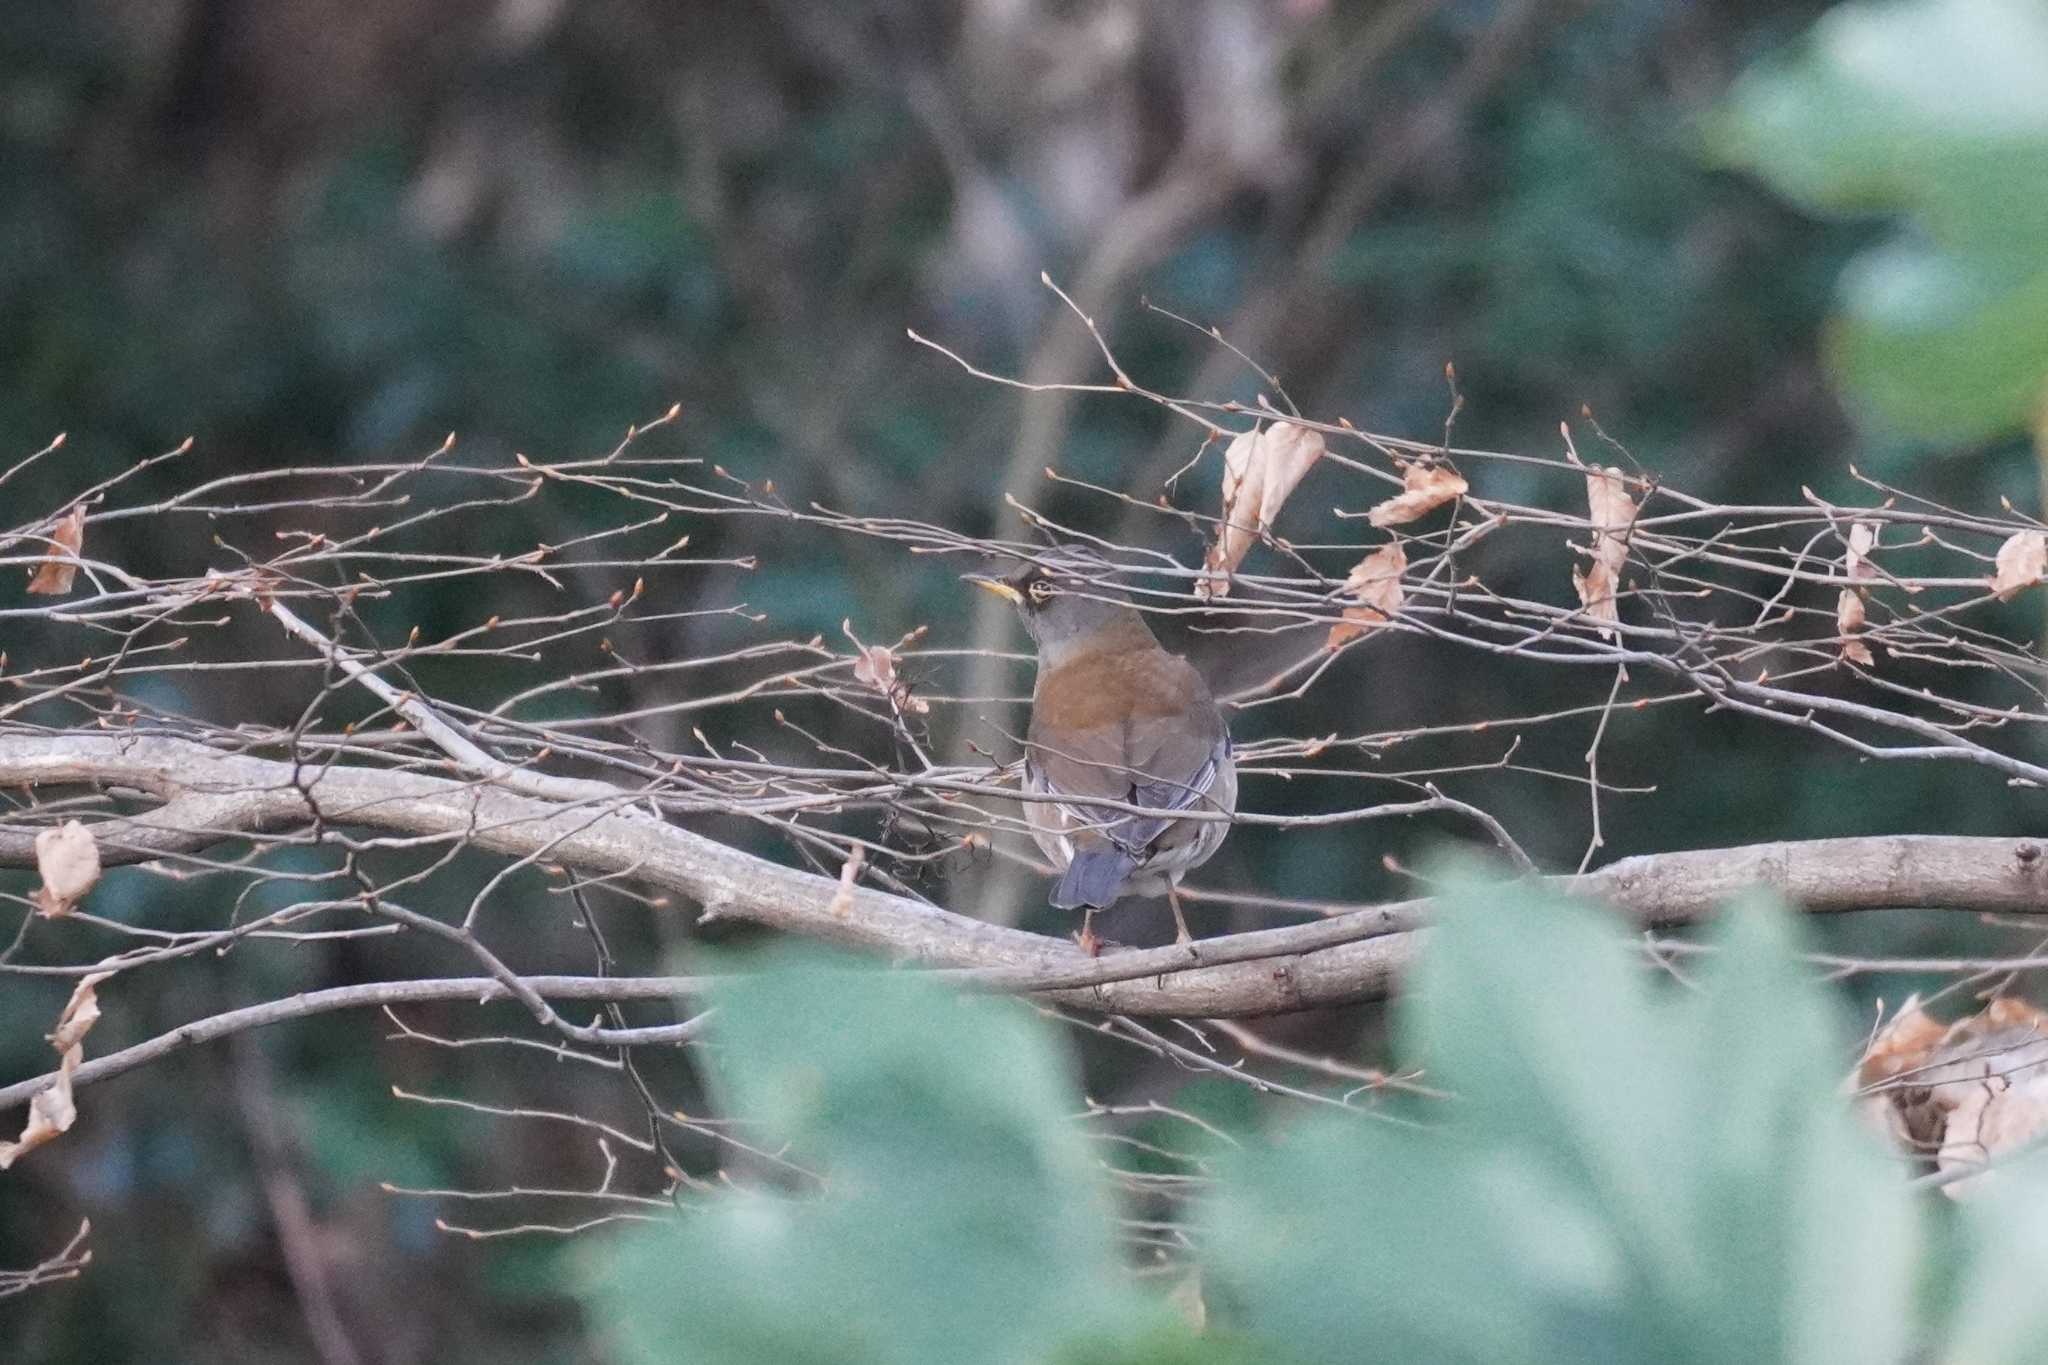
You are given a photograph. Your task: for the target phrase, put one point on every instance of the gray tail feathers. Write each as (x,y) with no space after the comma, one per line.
(1094,878)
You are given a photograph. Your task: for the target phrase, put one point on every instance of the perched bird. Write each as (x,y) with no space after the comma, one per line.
(1114,717)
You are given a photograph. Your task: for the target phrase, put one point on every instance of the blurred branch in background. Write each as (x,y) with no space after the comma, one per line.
(67,1264)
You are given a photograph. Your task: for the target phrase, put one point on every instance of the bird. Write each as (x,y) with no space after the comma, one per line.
(1114,717)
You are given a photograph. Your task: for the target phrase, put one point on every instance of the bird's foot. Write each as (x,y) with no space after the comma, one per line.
(1180,923)
(1090,941)
(1194,954)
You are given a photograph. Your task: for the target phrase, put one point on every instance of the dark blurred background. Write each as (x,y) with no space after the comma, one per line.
(302,232)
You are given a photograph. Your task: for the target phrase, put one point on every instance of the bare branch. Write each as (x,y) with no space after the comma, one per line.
(1341,959)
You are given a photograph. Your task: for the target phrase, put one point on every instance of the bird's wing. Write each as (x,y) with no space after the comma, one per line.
(1139,728)
(1177,764)
(1082,763)
(1189,793)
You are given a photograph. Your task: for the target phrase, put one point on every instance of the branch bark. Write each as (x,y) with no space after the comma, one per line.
(211,795)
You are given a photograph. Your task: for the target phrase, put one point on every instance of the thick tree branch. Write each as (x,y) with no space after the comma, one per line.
(211,795)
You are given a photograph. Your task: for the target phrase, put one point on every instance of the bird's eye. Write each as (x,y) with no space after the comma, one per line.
(1040,590)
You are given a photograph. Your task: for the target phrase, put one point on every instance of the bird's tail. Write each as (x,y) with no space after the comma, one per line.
(1094,878)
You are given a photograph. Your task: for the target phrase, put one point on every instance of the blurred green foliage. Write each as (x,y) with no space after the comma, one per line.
(960,1202)
(1640,1172)
(1934,113)
(1625,1170)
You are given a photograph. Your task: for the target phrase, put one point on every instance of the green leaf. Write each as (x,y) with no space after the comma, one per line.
(1627,1172)
(1934,110)
(1933,106)
(2001,1315)
(1429,1247)
(1799,1213)
(1943,344)
(960,1216)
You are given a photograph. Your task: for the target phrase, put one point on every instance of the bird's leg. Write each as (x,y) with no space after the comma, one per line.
(1180,922)
(1090,944)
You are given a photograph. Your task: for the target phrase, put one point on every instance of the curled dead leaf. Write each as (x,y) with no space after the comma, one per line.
(1611,509)
(1851,615)
(1862,540)
(1960,1095)
(81,1012)
(2022,561)
(1424,488)
(52,1110)
(1595,588)
(1611,513)
(1375,582)
(1849,622)
(53,576)
(875,665)
(69,861)
(1261,469)
(1901,1045)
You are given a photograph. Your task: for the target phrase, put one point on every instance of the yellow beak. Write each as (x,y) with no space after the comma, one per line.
(998,587)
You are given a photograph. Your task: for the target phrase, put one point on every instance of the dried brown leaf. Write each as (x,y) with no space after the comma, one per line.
(1611,512)
(1887,1099)
(1424,488)
(875,665)
(69,861)
(1261,469)
(2022,561)
(1375,582)
(1961,1095)
(53,576)
(1862,540)
(51,1110)
(1595,588)
(1287,453)
(81,1012)
(1905,1044)
(1849,622)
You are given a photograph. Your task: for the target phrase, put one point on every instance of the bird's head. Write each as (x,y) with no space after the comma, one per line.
(1068,600)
